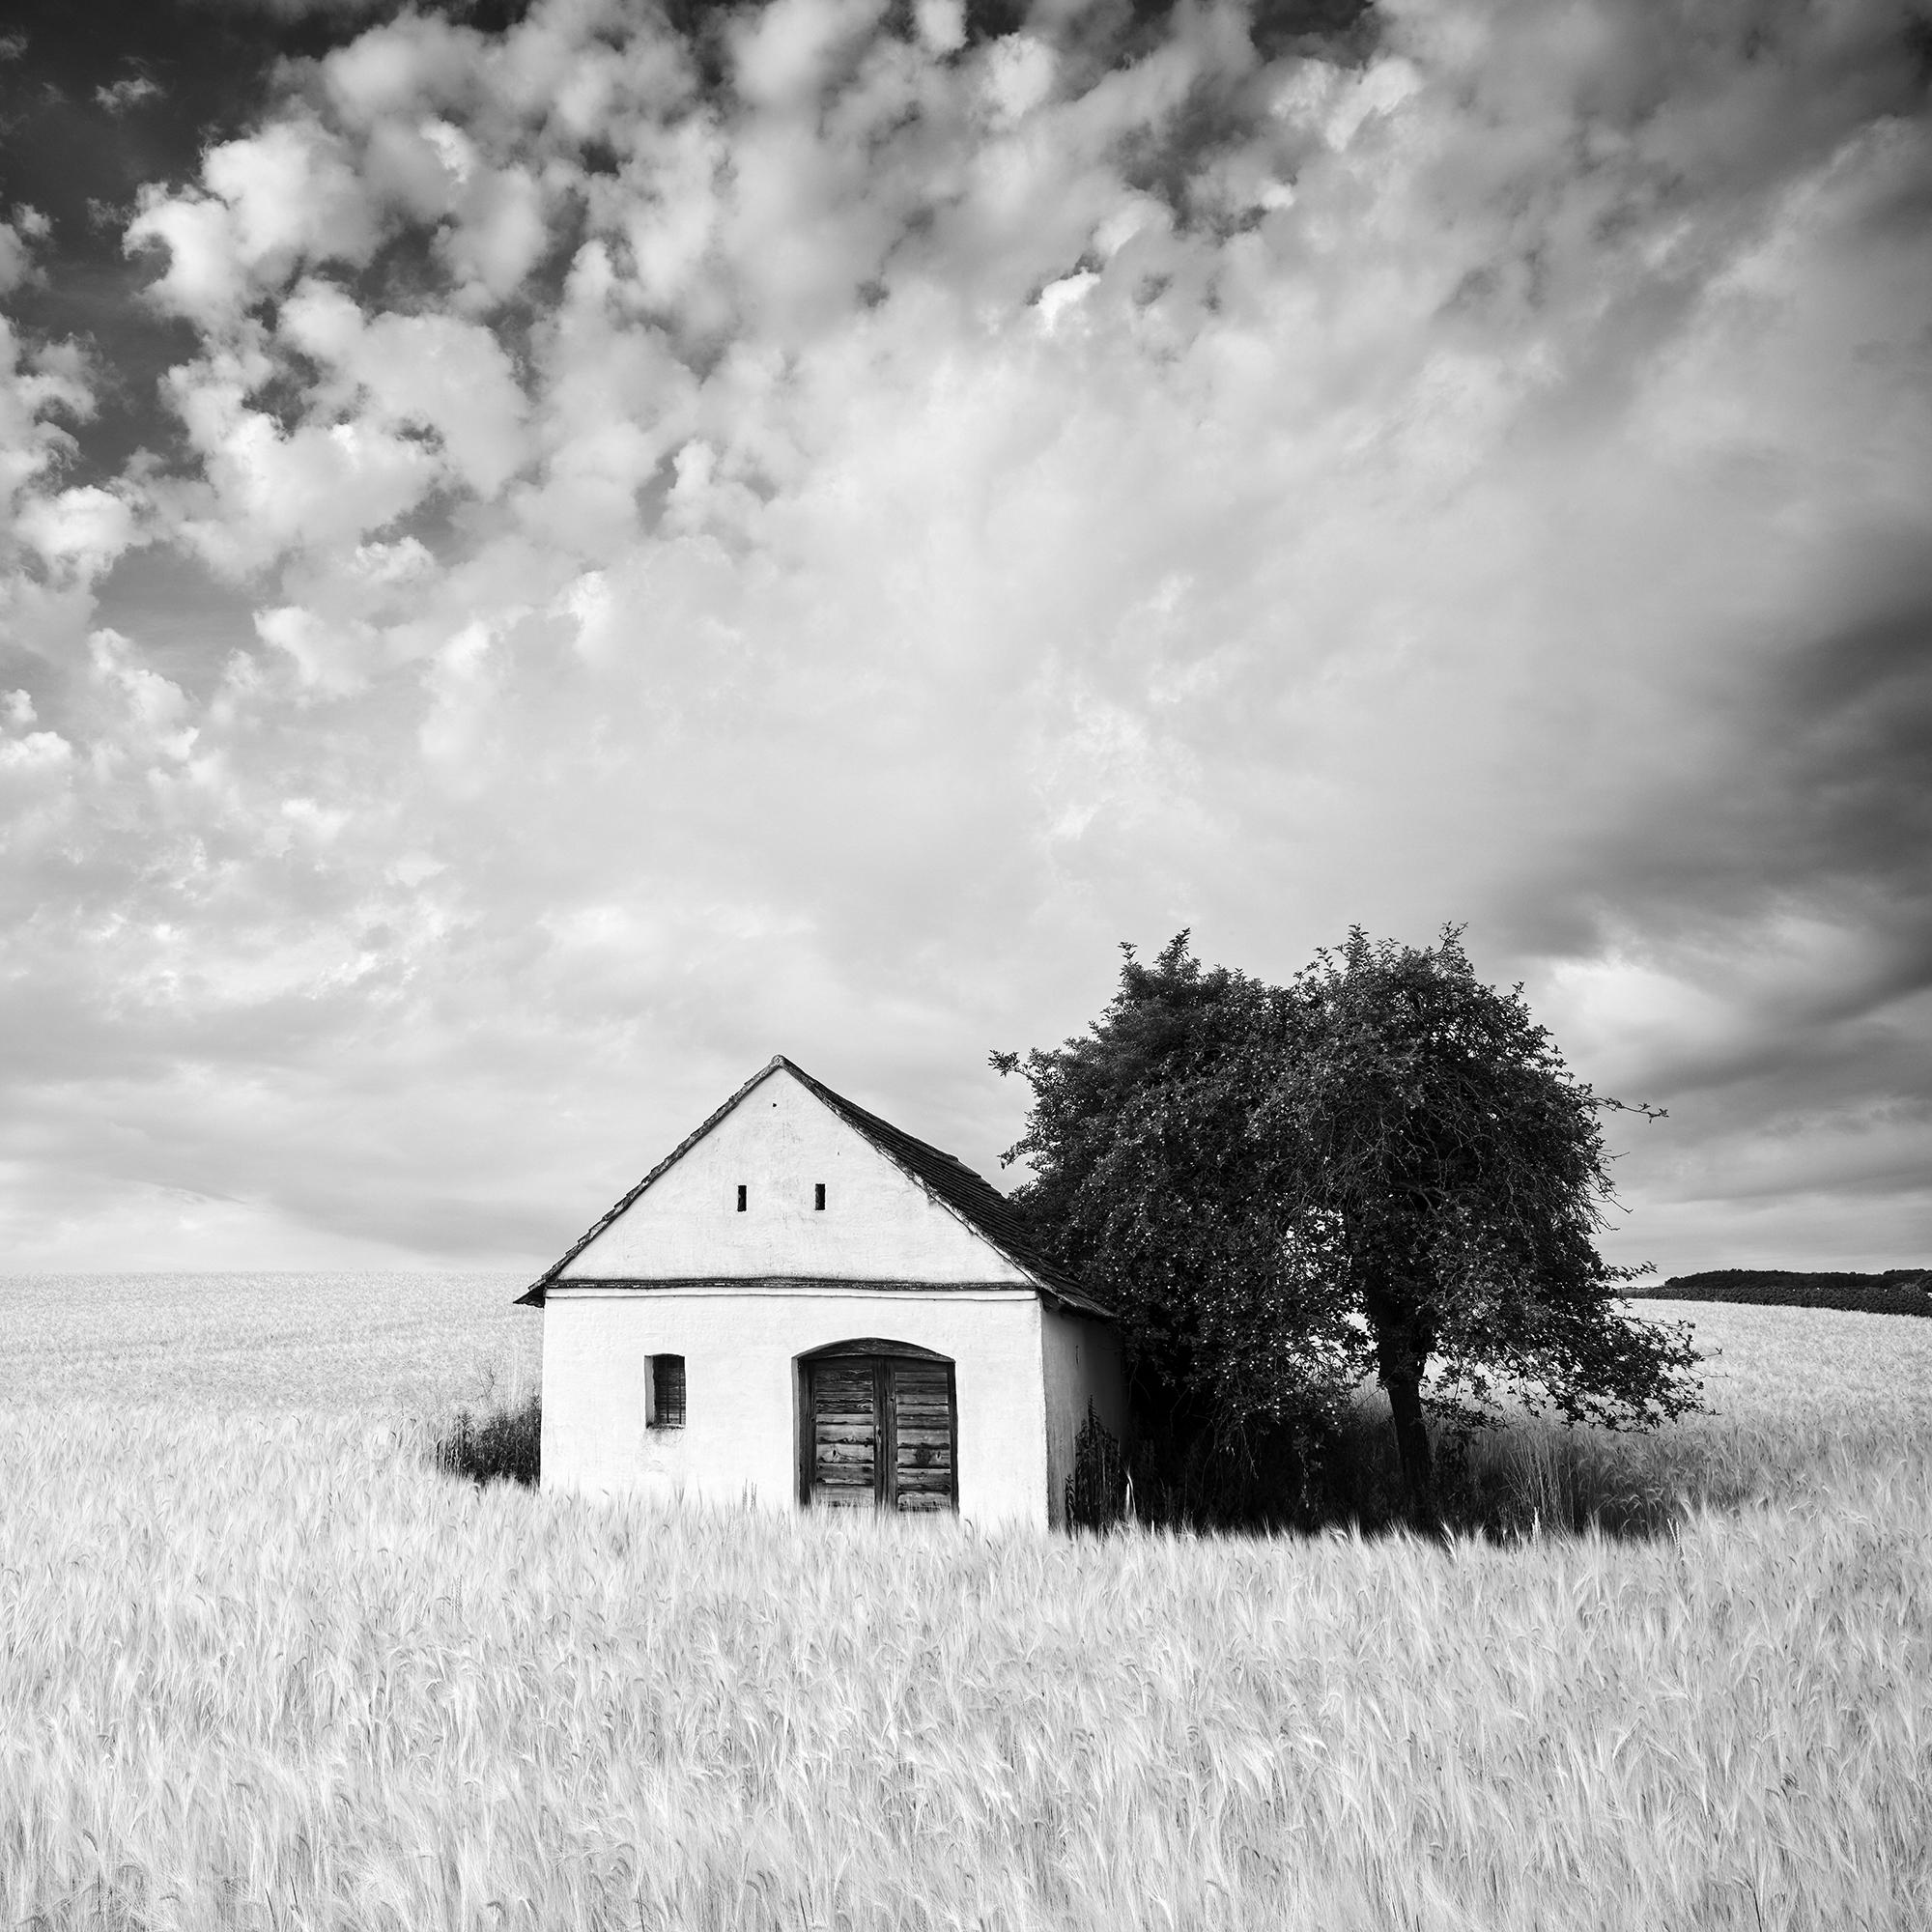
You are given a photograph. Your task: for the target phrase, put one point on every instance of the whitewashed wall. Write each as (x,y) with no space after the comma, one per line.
(741,1345)
(1082,1362)
(877,1223)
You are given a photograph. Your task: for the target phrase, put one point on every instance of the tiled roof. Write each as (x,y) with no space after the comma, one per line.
(946,1177)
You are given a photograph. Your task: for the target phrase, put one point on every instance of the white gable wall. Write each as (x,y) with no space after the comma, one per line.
(878,1223)
(741,1345)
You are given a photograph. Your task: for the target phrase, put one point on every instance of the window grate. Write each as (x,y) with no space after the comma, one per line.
(666,1391)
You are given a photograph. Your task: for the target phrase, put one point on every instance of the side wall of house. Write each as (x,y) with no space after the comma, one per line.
(740,1344)
(1083,1363)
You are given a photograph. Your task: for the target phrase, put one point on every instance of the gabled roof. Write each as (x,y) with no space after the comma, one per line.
(945,1177)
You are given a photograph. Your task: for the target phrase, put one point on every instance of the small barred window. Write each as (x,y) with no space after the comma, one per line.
(666,1391)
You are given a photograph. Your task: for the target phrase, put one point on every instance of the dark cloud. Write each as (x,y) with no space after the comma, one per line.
(1855,708)
(1811,800)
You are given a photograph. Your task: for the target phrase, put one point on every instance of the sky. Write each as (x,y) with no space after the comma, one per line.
(549,554)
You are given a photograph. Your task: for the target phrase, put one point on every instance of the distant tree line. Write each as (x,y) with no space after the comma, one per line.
(1895,1291)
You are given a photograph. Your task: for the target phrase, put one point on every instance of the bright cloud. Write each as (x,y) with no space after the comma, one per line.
(808,562)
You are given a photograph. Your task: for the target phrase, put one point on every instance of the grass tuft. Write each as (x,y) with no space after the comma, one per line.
(503,1444)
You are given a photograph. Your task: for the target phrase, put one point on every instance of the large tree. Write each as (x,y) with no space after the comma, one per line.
(1385,1168)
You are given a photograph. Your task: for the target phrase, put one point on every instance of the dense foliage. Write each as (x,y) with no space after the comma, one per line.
(1385,1168)
(1897,1292)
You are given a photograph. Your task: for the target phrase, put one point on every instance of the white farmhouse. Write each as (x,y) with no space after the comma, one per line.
(802,1305)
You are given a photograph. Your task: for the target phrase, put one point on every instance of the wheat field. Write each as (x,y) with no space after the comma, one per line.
(264,1666)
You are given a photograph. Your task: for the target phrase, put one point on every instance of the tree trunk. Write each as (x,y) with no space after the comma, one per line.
(1403,1383)
(1404,1339)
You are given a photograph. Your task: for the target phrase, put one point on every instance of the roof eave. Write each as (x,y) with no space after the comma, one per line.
(1079,1303)
(535,1295)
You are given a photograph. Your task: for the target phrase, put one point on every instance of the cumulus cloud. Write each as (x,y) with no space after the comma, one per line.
(808,557)
(427,371)
(273,202)
(51,538)
(83,529)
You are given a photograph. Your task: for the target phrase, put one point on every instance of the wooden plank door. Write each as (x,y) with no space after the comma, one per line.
(919,1407)
(845,1459)
(884,1432)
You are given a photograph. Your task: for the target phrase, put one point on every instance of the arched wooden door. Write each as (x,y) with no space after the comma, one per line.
(880,1428)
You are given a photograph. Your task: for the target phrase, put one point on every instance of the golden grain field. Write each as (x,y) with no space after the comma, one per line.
(261,1664)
